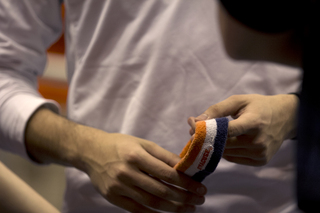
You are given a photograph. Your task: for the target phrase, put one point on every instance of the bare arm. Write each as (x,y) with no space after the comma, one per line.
(118,165)
(17,196)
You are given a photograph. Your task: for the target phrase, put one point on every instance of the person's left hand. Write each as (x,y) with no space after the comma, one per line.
(260,125)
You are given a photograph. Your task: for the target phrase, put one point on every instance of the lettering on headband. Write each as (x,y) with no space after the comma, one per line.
(205,157)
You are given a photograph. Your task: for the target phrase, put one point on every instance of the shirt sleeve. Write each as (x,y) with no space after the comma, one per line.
(27,29)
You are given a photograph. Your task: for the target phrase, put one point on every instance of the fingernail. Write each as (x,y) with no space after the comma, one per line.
(191,132)
(201,190)
(202,117)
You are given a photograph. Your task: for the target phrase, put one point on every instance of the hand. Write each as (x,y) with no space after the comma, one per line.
(129,172)
(133,173)
(260,125)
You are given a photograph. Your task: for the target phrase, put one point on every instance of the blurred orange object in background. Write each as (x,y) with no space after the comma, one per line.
(54,88)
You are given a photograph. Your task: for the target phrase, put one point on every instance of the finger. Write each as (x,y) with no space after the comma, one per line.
(244,124)
(233,143)
(180,195)
(192,124)
(130,205)
(237,152)
(160,153)
(153,162)
(202,117)
(191,131)
(192,137)
(158,203)
(245,161)
(130,177)
(242,141)
(230,106)
(254,154)
(158,189)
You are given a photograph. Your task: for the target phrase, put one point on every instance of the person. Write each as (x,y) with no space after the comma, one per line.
(17,196)
(289,36)
(136,71)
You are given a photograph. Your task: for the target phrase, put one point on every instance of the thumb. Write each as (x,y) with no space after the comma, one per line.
(229,106)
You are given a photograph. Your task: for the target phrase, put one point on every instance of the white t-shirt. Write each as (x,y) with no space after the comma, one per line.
(140,67)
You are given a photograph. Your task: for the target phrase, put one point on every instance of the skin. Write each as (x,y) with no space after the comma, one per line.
(244,43)
(16,196)
(259,126)
(118,165)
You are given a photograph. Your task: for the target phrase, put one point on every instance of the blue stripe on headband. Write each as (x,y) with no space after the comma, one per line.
(219,144)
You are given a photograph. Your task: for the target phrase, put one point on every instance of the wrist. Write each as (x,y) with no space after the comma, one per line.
(292,104)
(83,149)
(50,138)
(89,143)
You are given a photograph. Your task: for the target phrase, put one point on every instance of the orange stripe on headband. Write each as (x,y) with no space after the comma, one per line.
(192,149)
(200,157)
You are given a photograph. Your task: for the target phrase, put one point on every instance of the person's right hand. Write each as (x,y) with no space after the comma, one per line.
(135,174)
(261,123)
(132,173)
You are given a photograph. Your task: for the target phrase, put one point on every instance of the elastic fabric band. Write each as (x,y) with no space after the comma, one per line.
(200,157)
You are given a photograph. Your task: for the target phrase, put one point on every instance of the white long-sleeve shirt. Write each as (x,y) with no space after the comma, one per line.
(139,67)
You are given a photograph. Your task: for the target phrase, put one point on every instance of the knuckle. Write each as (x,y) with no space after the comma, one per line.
(214,109)
(260,145)
(231,132)
(163,192)
(111,191)
(168,176)
(257,123)
(262,124)
(235,130)
(233,98)
(113,188)
(132,157)
(121,172)
(236,99)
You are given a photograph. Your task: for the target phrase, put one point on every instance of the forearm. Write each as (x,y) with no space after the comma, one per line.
(115,163)
(51,138)
(17,196)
